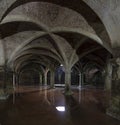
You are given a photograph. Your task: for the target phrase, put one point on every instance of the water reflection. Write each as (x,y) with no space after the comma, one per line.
(13,96)
(80,94)
(62,103)
(37,107)
(46,97)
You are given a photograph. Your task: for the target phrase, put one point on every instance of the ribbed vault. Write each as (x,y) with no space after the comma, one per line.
(58,32)
(78,36)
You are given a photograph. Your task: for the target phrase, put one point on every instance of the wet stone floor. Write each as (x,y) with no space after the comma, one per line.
(52,107)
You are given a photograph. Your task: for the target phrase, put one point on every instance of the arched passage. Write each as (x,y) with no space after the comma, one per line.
(29,77)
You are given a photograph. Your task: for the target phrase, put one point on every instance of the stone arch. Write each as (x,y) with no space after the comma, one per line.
(93,74)
(72,5)
(80,31)
(38,52)
(32,77)
(90,63)
(24,18)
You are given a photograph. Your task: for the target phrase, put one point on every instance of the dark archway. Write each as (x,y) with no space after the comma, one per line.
(29,77)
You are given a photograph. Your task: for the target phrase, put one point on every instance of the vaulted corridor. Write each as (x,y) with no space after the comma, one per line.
(62,46)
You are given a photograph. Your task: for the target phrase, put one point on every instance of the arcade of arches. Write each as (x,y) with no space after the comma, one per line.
(61,43)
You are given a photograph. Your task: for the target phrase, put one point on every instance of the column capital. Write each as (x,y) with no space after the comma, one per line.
(45,71)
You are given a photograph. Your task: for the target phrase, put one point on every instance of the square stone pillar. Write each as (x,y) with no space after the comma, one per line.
(68,82)
(114,106)
(3,92)
(52,78)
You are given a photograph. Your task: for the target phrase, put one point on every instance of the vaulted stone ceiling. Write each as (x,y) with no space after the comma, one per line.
(54,32)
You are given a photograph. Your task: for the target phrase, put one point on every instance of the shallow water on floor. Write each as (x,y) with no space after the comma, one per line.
(51,106)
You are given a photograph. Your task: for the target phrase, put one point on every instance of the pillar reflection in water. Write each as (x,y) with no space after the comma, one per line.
(49,97)
(80,94)
(70,105)
(52,97)
(13,96)
(46,97)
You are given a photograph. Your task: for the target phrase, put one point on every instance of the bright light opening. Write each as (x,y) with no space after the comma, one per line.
(61,64)
(60,108)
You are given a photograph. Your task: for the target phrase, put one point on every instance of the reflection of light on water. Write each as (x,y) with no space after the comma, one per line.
(61,64)
(60,108)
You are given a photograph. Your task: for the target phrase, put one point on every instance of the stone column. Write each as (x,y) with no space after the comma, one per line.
(80,80)
(114,106)
(3,90)
(3,93)
(52,78)
(14,81)
(17,80)
(108,76)
(45,78)
(4,78)
(40,79)
(68,81)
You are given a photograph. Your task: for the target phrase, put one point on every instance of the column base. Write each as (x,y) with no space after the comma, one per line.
(3,95)
(69,92)
(79,87)
(52,87)
(113,115)
(114,109)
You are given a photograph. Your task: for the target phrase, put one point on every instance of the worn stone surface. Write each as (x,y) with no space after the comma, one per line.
(48,33)
(108,11)
(51,15)
(114,108)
